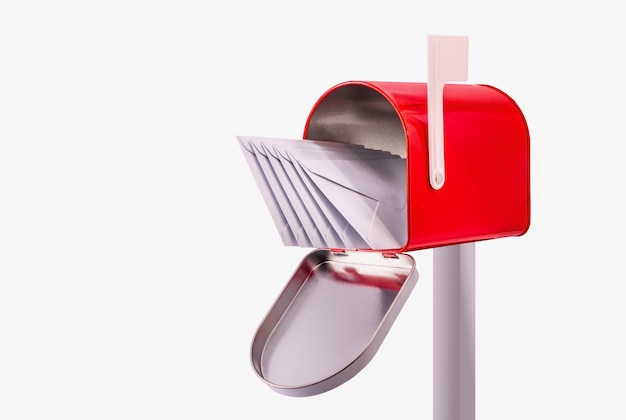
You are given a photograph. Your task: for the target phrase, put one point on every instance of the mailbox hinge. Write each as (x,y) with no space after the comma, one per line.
(390,255)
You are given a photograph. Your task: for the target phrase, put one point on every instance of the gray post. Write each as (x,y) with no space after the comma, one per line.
(454,300)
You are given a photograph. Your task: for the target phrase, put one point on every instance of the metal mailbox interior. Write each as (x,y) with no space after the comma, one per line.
(335,311)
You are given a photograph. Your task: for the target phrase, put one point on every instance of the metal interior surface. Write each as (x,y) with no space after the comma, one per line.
(358,114)
(330,319)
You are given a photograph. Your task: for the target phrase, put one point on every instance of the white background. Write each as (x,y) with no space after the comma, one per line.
(137,257)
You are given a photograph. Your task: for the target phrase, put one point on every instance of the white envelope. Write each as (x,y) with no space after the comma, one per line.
(285,200)
(265,186)
(303,213)
(334,229)
(370,194)
(284,203)
(331,194)
(347,233)
(331,236)
(293,200)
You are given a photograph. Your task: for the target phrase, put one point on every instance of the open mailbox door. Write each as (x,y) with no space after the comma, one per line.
(330,319)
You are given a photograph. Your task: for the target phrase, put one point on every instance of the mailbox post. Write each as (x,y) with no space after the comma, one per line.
(454,331)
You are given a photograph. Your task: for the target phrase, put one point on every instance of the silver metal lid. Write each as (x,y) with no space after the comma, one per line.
(330,319)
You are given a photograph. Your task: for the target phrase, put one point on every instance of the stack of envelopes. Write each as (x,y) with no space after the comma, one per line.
(327,194)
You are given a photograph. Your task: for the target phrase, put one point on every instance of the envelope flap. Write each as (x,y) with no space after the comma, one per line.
(383,180)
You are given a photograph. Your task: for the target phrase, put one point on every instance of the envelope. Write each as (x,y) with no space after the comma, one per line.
(349,236)
(285,205)
(266,187)
(287,178)
(292,200)
(370,194)
(331,194)
(335,231)
(330,235)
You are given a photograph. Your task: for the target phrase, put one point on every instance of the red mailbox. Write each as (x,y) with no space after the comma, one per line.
(487,151)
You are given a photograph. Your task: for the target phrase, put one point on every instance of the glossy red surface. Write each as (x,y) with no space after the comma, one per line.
(487,156)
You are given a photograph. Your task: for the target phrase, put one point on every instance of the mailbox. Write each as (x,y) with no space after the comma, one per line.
(331,317)
(486,193)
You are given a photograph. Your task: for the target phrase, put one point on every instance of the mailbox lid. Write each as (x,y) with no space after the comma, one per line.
(330,319)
